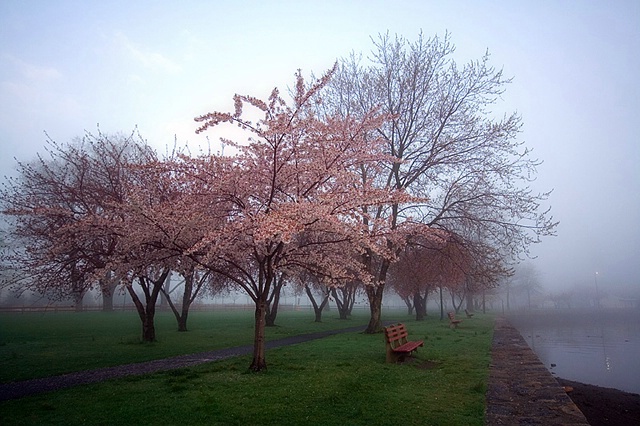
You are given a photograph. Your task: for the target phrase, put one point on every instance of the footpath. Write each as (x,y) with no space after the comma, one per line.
(24,388)
(520,390)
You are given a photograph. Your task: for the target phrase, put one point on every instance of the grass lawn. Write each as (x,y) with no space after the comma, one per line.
(44,344)
(341,379)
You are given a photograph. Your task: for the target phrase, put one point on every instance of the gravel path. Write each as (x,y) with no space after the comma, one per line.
(24,388)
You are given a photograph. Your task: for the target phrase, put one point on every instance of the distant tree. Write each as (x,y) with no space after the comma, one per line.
(527,280)
(345,297)
(314,287)
(149,234)
(413,277)
(194,281)
(52,205)
(8,273)
(451,151)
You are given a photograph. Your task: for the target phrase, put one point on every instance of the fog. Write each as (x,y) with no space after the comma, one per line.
(66,66)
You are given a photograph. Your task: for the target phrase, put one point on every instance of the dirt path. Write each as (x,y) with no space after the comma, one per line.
(24,388)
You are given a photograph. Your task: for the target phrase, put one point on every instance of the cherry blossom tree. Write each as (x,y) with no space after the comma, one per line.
(296,196)
(413,277)
(466,165)
(290,201)
(52,204)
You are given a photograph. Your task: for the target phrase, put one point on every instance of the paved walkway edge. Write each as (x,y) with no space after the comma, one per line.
(521,391)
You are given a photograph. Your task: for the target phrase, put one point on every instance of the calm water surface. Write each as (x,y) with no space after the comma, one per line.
(601,348)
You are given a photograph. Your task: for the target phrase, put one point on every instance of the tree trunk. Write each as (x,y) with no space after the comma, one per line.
(259,362)
(484,302)
(78,297)
(107,301)
(148,325)
(187,299)
(146,314)
(374,294)
(345,298)
(470,304)
(456,306)
(441,305)
(272,311)
(317,309)
(107,289)
(274,302)
(147,311)
(408,301)
(420,305)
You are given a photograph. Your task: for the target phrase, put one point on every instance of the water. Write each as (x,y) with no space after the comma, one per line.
(599,348)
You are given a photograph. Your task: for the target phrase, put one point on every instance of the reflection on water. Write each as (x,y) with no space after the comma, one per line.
(601,348)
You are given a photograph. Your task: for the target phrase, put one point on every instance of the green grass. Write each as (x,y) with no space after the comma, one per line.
(341,379)
(43,344)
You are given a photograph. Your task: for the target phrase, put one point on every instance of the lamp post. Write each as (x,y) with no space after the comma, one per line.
(597,298)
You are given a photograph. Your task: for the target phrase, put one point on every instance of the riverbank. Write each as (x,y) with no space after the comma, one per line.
(604,406)
(598,347)
(520,389)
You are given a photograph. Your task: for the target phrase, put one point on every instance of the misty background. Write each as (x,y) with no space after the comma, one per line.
(66,66)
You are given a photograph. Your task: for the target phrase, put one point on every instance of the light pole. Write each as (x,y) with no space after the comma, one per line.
(597,298)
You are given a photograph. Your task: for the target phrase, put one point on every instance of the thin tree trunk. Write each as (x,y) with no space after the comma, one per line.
(420,306)
(345,298)
(187,299)
(469,297)
(408,301)
(274,301)
(317,309)
(259,362)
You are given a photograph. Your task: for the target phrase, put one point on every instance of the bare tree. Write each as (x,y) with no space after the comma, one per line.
(451,150)
(527,281)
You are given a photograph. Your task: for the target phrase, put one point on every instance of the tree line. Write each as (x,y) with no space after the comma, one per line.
(384,171)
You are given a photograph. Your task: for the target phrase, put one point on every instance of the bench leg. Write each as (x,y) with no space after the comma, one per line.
(395,357)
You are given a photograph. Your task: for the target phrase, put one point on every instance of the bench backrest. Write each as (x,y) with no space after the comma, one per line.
(452,316)
(396,335)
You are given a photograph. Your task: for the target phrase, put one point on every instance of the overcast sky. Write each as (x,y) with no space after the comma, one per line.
(66,66)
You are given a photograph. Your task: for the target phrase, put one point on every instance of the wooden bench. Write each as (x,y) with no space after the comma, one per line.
(397,345)
(453,322)
(469,314)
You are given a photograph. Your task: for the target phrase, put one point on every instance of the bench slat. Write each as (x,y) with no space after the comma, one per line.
(409,346)
(397,344)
